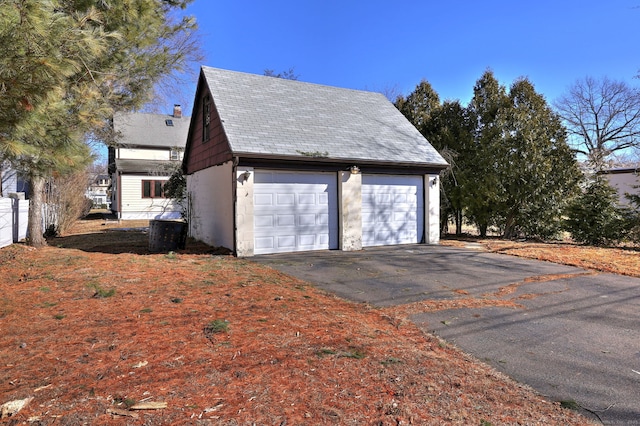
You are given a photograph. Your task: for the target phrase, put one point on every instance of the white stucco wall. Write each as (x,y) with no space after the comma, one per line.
(133,206)
(244,211)
(350,211)
(432,209)
(211,206)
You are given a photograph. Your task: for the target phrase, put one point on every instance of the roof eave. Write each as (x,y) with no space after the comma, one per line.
(331,160)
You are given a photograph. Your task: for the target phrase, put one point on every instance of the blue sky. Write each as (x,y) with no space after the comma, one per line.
(377,45)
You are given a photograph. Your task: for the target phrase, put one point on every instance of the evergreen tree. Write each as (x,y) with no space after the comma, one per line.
(594,217)
(419,105)
(450,131)
(70,64)
(487,110)
(536,168)
(511,167)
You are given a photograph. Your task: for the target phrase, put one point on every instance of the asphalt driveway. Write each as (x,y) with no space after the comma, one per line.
(574,337)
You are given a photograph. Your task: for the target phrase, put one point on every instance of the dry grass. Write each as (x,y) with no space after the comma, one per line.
(94,324)
(616,260)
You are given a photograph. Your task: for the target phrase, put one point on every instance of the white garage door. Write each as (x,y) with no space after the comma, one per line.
(295,211)
(392,209)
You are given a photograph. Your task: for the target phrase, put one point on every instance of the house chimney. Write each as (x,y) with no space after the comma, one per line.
(177,111)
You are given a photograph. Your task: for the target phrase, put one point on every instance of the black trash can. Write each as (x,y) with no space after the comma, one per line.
(167,235)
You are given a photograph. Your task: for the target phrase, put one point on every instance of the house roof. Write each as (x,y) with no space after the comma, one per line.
(150,167)
(151,130)
(273,117)
(621,170)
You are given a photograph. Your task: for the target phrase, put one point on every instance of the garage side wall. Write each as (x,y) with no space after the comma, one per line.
(432,213)
(211,205)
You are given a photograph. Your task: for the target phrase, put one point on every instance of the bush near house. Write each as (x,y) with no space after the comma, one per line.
(595,218)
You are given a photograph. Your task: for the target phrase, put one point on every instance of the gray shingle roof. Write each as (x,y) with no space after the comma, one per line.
(276,117)
(139,129)
(152,167)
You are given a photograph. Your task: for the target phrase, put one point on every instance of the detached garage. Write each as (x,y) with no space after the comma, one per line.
(277,166)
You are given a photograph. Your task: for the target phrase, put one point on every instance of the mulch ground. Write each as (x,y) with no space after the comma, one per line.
(96,330)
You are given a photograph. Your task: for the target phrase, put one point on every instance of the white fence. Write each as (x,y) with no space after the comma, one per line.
(14,216)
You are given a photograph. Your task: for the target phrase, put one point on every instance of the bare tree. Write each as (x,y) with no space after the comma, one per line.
(602,117)
(289,74)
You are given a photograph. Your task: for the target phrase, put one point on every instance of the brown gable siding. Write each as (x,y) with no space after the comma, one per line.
(209,153)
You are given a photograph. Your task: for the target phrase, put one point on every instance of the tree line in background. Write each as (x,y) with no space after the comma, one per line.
(66,66)
(514,168)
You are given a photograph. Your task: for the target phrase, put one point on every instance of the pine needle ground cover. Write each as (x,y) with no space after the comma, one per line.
(96,330)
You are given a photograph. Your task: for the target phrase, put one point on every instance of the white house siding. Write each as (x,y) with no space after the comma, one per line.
(211,205)
(9,182)
(135,207)
(145,154)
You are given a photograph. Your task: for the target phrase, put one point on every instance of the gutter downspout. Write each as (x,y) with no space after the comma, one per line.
(119,193)
(234,194)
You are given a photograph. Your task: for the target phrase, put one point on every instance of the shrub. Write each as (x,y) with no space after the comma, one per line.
(594,217)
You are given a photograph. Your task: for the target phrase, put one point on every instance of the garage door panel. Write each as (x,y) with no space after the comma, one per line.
(263,200)
(305,215)
(307,220)
(286,242)
(392,210)
(286,199)
(264,243)
(286,220)
(307,240)
(263,221)
(306,199)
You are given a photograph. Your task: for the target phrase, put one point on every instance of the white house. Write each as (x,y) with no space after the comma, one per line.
(150,147)
(11,182)
(98,191)
(276,165)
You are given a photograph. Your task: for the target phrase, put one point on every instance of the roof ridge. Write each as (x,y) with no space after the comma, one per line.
(290,81)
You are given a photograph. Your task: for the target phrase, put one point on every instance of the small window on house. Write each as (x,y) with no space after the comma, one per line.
(175,155)
(153,188)
(206,118)
(168,123)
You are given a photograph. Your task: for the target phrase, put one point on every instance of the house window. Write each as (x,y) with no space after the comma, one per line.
(175,155)
(206,118)
(153,188)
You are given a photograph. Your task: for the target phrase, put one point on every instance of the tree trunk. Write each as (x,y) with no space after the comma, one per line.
(458,214)
(34,227)
(482,227)
(510,227)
